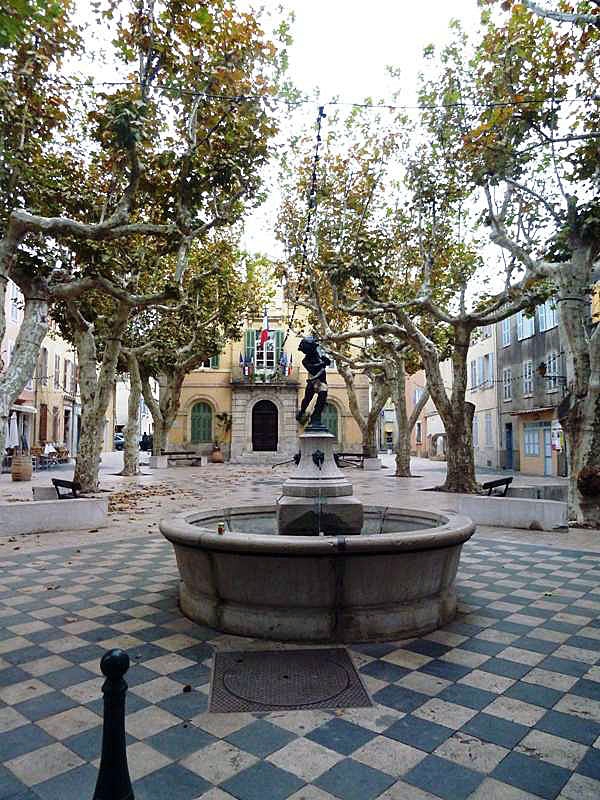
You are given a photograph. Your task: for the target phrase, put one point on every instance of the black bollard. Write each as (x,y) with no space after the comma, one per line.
(113,778)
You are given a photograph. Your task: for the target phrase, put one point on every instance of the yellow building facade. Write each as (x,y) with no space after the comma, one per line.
(56,393)
(246,399)
(47,410)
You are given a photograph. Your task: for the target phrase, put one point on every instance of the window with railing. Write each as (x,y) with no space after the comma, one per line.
(528,377)
(264,357)
(552,371)
(507,383)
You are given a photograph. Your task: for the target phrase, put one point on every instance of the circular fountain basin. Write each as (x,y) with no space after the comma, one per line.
(394,580)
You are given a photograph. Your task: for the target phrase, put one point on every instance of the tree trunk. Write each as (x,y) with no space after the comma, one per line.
(582,432)
(368,424)
(456,413)
(396,371)
(579,413)
(131,447)
(25,354)
(87,464)
(95,388)
(169,393)
(158,437)
(460,476)
(460,459)
(164,410)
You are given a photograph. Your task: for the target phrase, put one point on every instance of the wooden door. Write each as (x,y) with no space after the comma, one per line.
(265,426)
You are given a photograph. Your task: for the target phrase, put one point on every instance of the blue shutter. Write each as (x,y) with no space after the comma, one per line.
(214,362)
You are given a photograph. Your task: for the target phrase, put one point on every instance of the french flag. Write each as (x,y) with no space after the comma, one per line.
(264,333)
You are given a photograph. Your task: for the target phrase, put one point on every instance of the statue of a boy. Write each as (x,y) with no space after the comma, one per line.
(315,363)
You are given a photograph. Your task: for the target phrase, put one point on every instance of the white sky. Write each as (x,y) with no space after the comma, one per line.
(342,48)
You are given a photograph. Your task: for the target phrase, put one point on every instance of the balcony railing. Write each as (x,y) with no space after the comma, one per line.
(261,377)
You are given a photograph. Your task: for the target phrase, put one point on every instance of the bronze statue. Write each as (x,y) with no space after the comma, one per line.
(315,363)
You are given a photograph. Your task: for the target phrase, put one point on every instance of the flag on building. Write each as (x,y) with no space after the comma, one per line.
(289,366)
(283,362)
(264,332)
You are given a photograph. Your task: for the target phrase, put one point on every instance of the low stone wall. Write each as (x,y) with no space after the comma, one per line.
(513,512)
(556,491)
(45,516)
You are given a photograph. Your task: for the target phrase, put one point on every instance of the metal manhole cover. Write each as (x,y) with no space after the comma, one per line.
(271,680)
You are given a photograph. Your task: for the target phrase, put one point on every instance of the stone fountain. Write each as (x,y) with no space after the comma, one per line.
(317,565)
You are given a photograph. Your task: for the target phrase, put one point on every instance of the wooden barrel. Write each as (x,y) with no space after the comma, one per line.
(20,469)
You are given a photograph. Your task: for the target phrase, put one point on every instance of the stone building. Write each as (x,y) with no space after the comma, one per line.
(531,384)
(24,407)
(246,398)
(47,410)
(483,393)
(57,393)
(388,429)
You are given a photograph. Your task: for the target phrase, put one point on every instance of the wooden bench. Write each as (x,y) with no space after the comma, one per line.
(72,488)
(349,459)
(491,485)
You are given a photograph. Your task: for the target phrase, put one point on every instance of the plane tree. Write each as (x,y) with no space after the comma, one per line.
(534,148)
(171,150)
(398,245)
(223,286)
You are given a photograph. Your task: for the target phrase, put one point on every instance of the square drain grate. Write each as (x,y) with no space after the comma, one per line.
(277,680)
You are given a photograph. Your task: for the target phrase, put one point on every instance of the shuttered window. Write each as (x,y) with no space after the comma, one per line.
(211,363)
(202,423)
(43,430)
(329,417)
(249,344)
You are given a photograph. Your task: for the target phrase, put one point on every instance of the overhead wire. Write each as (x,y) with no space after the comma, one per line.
(311,211)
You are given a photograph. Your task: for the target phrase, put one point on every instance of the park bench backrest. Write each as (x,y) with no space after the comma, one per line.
(73,488)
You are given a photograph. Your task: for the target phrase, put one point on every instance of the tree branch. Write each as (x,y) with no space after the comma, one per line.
(561,16)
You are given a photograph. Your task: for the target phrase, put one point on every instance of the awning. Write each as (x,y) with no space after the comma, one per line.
(24,409)
(533,411)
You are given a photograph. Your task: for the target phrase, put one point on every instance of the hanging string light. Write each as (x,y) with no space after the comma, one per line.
(312,207)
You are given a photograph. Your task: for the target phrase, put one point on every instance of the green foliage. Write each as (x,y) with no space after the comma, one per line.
(18,16)
(221,288)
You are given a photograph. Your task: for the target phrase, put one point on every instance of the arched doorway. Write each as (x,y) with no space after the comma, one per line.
(265,426)
(202,423)
(329,417)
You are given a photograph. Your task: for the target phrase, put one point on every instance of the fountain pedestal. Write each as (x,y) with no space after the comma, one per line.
(318,497)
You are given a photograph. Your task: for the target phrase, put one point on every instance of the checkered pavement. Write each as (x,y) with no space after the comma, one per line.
(502,704)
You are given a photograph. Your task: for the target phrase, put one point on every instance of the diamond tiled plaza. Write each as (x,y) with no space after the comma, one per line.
(502,704)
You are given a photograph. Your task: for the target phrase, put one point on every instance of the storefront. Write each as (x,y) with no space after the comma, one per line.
(541,442)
